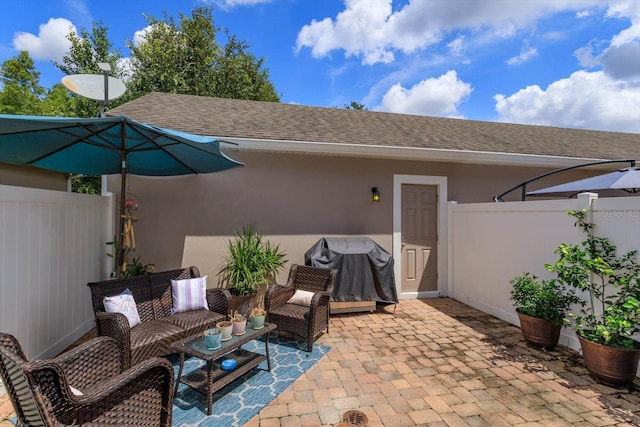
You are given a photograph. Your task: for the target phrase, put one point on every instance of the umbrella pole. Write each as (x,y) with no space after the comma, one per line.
(123,179)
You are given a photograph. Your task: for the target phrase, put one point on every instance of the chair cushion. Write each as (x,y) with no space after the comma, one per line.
(301,297)
(293,311)
(189,294)
(125,304)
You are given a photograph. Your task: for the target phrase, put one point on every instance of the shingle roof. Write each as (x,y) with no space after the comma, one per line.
(234,118)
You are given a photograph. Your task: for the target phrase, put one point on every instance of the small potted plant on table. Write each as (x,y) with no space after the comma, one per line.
(257,317)
(542,307)
(239,323)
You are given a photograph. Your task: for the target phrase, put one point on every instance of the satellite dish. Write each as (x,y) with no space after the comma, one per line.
(92,86)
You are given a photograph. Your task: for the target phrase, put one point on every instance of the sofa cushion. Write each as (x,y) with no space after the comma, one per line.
(194,321)
(189,294)
(153,338)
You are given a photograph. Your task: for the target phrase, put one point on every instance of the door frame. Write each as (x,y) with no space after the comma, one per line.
(440,182)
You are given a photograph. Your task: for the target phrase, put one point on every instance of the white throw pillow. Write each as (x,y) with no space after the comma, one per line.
(301,298)
(189,294)
(125,304)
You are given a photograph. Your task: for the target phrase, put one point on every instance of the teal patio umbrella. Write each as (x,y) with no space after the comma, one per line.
(108,145)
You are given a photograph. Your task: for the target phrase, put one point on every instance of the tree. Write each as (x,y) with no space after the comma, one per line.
(21,92)
(86,51)
(185,58)
(353,105)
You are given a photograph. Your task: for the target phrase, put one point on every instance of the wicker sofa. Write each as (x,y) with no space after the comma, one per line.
(159,327)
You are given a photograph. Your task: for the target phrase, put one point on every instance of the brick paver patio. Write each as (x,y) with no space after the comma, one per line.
(438,362)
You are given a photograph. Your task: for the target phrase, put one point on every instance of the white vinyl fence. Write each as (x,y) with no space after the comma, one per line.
(490,243)
(52,244)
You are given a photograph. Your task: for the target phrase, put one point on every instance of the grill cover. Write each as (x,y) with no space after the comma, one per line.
(365,270)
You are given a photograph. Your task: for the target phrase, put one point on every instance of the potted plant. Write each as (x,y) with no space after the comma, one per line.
(542,307)
(239,323)
(610,313)
(226,329)
(257,316)
(252,262)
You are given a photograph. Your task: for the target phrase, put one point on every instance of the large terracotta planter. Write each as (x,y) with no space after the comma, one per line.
(611,366)
(540,333)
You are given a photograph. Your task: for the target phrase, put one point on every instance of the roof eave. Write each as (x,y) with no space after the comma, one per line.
(403,153)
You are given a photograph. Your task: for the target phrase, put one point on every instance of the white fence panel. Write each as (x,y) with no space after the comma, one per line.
(490,243)
(52,244)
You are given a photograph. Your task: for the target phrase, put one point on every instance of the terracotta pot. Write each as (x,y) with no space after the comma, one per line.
(540,333)
(611,366)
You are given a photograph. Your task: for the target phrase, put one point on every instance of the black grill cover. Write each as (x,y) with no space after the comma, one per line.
(365,270)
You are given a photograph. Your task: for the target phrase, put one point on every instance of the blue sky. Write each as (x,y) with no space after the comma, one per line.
(568,63)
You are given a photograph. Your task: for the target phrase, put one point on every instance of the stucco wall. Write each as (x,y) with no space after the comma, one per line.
(292,199)
(28,176)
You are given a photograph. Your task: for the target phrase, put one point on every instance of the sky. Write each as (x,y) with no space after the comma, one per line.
(566,63)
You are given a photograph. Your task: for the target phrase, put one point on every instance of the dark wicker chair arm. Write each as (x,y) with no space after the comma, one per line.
(219,300)
(142,395)
(91,362)
(116,326)
(319,301)
(277,295)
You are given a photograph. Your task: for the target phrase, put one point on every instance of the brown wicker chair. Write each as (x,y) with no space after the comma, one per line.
(306,322)
(41,395)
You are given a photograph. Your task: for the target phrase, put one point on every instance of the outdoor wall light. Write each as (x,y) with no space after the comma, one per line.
(375,194)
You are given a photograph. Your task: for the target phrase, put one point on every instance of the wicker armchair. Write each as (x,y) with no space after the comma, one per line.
(306,322)
(86,386)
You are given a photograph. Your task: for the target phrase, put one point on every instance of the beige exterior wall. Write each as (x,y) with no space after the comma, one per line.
(28,176)
(293,199)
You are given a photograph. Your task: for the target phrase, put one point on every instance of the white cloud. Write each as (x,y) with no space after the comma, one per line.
(375,30)
(431,97)
(584,100)
(524,56)
(51,42)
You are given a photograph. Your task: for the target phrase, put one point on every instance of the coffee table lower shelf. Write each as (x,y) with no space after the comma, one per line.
(199,380)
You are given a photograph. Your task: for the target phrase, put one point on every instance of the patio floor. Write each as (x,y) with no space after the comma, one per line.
(437,362)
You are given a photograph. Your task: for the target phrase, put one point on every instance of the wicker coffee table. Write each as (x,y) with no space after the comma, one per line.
(211,378)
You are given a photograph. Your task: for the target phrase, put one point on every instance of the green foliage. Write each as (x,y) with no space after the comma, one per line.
(353,105)
(88,184)
(21,92)
(185,58)
(611,313)
(137,268)
(251,262)
(182,57)
(86,51)
(544,299)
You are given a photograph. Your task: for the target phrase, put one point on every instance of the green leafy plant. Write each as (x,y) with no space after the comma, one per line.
(544,299)
(251,262)
(611,313)
(137,268)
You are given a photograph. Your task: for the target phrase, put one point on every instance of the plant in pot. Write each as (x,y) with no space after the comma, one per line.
(257,316)
(542,307)
(610,314)
(239,323)
(252,263)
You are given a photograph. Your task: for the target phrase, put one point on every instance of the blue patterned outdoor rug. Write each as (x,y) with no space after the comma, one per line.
(241,400)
